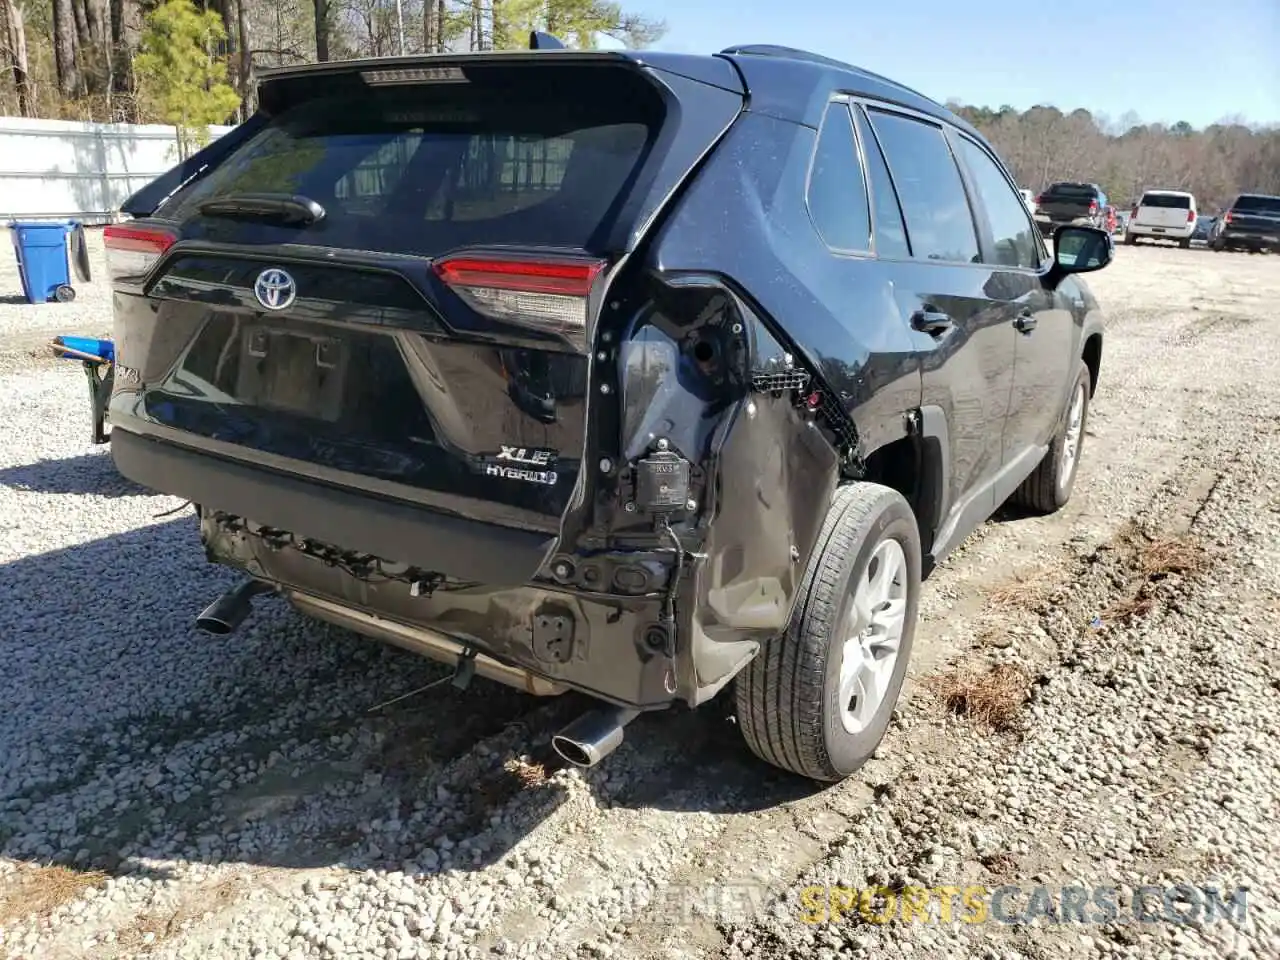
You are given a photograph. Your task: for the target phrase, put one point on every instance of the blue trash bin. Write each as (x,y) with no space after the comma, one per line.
(44,262)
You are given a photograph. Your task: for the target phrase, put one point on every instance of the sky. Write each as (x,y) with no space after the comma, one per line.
(1165,60)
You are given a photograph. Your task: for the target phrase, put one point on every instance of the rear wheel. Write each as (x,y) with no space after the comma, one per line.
(1130,240)
(1185,244)
(1218,245)
(1049,486)
(64,293)
(818,698)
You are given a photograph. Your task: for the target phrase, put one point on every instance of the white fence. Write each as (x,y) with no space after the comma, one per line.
(59,169)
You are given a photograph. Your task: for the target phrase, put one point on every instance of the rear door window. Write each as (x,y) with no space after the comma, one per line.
(400,172)
(934,204)
(1166,200)
(837,191)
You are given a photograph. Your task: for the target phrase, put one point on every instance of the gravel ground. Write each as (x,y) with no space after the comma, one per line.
(168,794)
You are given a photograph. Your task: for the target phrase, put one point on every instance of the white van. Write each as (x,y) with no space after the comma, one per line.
(1163,214)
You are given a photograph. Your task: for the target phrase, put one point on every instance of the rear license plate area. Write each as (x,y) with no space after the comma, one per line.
(1157,229)
(292,372)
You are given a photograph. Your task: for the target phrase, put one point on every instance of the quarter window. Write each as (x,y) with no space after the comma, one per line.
(837,193)
(891,234)
(1011,228)
(933,199)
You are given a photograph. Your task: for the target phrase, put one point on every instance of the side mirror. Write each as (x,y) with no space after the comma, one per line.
(1078,250)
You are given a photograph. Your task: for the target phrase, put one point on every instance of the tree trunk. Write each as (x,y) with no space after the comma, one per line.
(246,61)
(64,49)
(91,42)
(16,34)
(439,26)
(322,29)
(121,62)
(82,25)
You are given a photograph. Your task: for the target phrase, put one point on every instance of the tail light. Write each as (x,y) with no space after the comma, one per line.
(545,293)
(133,250)
(1226,217)
(1039,199)
(1191,216)
(1093,206)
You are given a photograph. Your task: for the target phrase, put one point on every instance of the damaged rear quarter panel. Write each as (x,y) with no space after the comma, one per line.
(744,222)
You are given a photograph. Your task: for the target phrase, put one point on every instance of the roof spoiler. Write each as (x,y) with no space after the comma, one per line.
(544,41)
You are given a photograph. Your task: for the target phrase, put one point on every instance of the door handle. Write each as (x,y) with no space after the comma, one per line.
(933,322)
(1025,323)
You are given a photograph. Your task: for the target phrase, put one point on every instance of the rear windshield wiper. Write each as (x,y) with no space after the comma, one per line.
(289,208)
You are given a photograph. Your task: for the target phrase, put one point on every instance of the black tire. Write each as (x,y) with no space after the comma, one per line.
(1048,487)
(1130,240)
(1184,244)
(788,697)
(1218,246)
(64,293)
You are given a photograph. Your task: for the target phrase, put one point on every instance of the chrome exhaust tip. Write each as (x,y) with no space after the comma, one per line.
(226,613)
(593,736)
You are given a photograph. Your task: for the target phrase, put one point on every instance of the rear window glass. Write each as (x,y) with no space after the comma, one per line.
(1071,191)
(1166,200)
(399,172)
(1257,205)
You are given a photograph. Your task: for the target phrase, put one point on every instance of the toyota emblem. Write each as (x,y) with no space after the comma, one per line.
(275,289)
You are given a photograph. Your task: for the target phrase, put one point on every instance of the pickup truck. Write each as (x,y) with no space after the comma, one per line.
(1251,223)
(1064,202)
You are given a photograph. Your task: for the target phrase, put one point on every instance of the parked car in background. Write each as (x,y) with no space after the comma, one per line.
(1163,215)
(1069,202)
(562,429)
(1203,230)
(1028,198)
(1251,223)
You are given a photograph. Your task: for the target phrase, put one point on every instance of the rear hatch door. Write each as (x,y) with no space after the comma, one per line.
(1068,201)
(390,285)
(1165,210)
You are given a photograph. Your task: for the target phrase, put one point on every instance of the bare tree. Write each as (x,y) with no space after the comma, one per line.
(64,49)
(14,35)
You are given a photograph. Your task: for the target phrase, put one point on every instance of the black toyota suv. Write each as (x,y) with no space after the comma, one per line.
(637,374)
(1252,223)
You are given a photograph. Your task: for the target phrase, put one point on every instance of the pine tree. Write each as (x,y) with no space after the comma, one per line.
(181,79)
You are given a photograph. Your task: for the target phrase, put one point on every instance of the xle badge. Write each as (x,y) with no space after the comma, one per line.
(525,464)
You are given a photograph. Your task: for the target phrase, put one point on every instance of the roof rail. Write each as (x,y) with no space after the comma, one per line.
(789,53)
(792,53)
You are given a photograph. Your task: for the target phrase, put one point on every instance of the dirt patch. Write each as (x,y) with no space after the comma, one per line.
(1147,563)
(38,891)
(156,926)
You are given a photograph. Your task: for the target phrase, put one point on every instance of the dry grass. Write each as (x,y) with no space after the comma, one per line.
(38,891)
(992,696)
(1030,591)
(1152,561)
(1165,555)
(530,773)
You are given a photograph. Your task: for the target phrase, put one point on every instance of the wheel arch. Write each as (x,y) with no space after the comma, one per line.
(1091,354)
(918,466)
